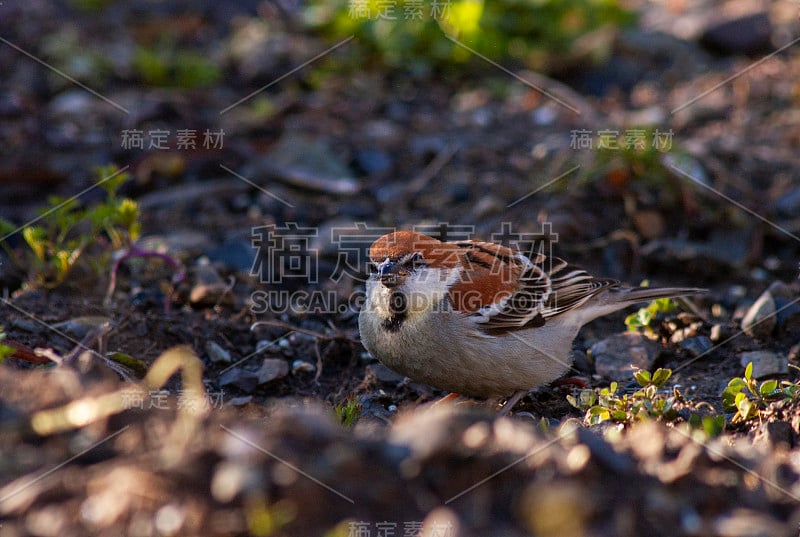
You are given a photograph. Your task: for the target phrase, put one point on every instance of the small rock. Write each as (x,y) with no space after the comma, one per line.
(79,327)
(705,259)
(301,366)
(374,161)
(488,206)
(307,163)
(459,192)
(684,332)
(235,254)
(240,378)
(427,146)
(544,115)
(794,353)
(650,224)
(263,345)
(789,203)
(383,130)
(10,105)
(776,433)
(384,374)
(580,362)
(765,363)
(374,406)
(697,346)
(720,331)
(73,103)
(272,369)
(653,115)
(787,315)
(617,356)
(217,353)
(759,321)
(779,289)
(28,325)
(750,34)
(178,244)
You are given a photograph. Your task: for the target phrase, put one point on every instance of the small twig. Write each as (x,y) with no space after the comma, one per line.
(228,289)
(319,361)
(135,251)
(93,336)
(49,354)
(280,324)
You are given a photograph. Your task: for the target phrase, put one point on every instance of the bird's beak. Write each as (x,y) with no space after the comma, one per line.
(389,273)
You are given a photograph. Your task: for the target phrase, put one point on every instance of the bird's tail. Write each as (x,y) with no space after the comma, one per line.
(617,298)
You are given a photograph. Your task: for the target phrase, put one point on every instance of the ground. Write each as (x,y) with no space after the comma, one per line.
(229,394)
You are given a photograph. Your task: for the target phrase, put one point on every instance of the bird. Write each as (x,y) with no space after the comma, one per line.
(480,319)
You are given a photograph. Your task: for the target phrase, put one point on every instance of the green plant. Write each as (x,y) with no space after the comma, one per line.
(639,157)
(91,5)
(712,426)
(642,318)
(167,65)
(5,350)
(58,239)
(606,404)
(538,34)
(349,412)
(746,397)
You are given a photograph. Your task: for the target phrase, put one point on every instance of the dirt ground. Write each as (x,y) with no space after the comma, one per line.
(230,394)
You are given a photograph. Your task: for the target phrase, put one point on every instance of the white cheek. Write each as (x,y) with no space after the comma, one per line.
(379,297)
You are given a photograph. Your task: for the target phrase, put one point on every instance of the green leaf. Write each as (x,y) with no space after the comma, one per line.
(138,366)
(36,237)
(661,376)
(768,387)
(748,371)
(642,377)
(737,382)
(7,227)
(632,322)
(619,415)
(665,305)
(598,414)
(574,402)
(713,426)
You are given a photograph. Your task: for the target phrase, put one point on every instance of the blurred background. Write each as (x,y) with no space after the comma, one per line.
(598,116)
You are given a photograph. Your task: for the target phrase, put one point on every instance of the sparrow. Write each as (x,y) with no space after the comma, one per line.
(481,319)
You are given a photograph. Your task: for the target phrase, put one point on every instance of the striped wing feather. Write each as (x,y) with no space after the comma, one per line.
(549,287)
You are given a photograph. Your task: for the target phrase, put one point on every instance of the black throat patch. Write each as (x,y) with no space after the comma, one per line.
(398,305)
